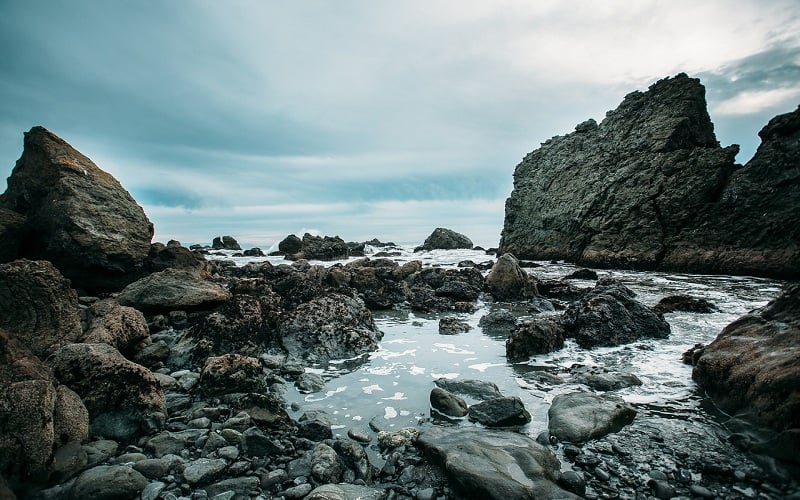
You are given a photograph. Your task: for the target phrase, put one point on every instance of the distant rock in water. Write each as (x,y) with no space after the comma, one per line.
(651,188)
(314,247)
(445,239)
(76,215)
(225,243)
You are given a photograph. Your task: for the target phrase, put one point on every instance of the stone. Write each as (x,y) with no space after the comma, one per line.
(573,481)
(152,468)
(326,466)
(239,486)
(508,281)
(535,336)
(359,434)
(404,437)
(753,366)
(309,383)
(447,403)
(684,303)
(172,443)
(498,322)
(225,243)
(232,373)
(651,188)
(603,380)
(609,315)
(153,490)
(477,389)
(290,245)
(108,482)
(315,425)
(12,230)
(203,470)
(581,416)
(334,326)
(500,412)
(77,216)
(175,256)
(171,290)
(493,464)
(582,274)
(445,239)
(313,247)
(38,306)
(119,326)
(121,396)
(453,326)
(345,492)
(257,444)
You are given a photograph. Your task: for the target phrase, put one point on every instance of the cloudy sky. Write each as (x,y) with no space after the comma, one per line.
(362,118)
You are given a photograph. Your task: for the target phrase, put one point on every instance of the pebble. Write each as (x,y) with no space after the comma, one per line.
(701,491)
(359,434)
(601,475)
(573,481)
(661,489)
(297,492)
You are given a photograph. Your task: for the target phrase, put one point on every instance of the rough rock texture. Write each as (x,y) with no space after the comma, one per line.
(232,373)
(108,482)
(120,395)
(685,303)
(225,243)
(78,216)
(445,239)
(500,412)
(754,364)
(580,416)
(314,247)
(173,255)
(507,280)
(609,315)
(493,464)
(171,290)
(536,336)
(333,326)
(119,326)
(35,414)
(12,229)
(651,188)
(38,306)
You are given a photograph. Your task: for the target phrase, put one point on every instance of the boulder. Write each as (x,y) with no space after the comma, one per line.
(12,230)
(78,216)
(493,464)
(326,466)
(225,243)
(447,403)
(453,326)
(582,274)
(753,365)
(122,397)
(477,389)
(334,326)
(290,245)
(37,414)
(535,336)
(108,482)
(508,281)
(498,322)
(684,303)
(175,256)
(609,315)
(122,327)
(171,290)
(578,417)
(38,306)
(600,379)
(231,373)
(445,239)
(315,248)
(500,412)
(651,188)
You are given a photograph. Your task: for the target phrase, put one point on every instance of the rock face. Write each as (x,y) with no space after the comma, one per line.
(445,239)
(651,188)
(78,216)
(120,395)
(754,364)
(492,464)
(38,306)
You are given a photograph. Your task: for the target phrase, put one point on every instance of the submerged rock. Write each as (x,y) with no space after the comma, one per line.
(684,303)
(536,336)
(77,216)
(493,464)
(651,188)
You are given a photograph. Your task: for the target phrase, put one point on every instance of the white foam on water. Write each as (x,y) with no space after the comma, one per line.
(389,413)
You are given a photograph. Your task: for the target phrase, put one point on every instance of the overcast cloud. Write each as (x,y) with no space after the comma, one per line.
(363,119)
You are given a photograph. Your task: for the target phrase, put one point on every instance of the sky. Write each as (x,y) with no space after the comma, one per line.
(363,119)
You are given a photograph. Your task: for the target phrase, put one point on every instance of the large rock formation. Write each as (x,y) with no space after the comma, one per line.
(445,239)
(651,188)
(77,216)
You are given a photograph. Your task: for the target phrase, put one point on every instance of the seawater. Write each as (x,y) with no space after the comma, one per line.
(391,386)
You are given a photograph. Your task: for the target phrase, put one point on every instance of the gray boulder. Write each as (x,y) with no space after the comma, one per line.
(500,412)
(536,336)
(508,281)
(345,492)
(447,403)
(108,482)
(171,290)
(493,464)
(580,416)
(651,188)
(445,239)
(77,216)
(477,389)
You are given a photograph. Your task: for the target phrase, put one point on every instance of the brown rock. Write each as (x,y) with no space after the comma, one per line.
(12,229)
(172,290)
(122,327)
(78,216)
(232,373)
(38,306)
(507,280)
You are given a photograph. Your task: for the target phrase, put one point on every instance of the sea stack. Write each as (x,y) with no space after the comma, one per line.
(651,188)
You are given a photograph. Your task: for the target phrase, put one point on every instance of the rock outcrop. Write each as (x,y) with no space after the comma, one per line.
(314,247)
(77,216)
(171,290)
(445,239)
(651,188)
(753,366)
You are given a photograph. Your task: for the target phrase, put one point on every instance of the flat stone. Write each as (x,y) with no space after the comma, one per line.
(203,470)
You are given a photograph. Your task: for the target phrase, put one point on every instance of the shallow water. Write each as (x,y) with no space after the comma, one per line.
(392,385)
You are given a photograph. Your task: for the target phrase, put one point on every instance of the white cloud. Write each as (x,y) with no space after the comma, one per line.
(755,101)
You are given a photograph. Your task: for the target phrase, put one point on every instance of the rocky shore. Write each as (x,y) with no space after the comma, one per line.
(138,370)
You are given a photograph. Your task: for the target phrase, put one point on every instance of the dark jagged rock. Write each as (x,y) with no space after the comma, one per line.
(477,389)
(78,216)
(290,245)
(232,373)
(684,303)
(225,243)
(582,274)
(445,239)
(753,365)
(38,306)
(175,256)
(500,412)
(651,188)
(315,248)
(609,315)
(507,280)
(12,229)
(498,322)
(493,464)
(537,336)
